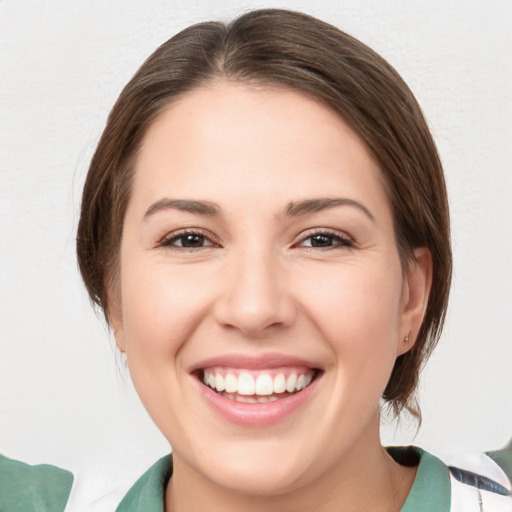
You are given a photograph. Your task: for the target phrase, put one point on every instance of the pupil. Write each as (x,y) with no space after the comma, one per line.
(192,241)
(321,241)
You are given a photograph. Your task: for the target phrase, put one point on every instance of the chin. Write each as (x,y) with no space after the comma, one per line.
(270,479)
(264,467)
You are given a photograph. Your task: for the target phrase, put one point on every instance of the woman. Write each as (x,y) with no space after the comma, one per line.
(265,226)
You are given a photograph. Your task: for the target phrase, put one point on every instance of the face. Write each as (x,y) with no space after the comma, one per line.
(262,301)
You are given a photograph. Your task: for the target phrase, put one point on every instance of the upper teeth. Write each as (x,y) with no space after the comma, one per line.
(246,383)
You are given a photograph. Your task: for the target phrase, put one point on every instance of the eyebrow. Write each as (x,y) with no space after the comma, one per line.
(315,205)
(185,205)
(293,209)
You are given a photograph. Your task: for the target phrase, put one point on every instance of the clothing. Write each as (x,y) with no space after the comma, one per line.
(504,459)
(148,493)
(436,487)
(25,488)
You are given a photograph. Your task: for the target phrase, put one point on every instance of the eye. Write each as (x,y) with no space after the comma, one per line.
(325,239)
(189,239)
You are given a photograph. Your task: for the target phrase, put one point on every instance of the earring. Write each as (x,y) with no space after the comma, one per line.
(407,337)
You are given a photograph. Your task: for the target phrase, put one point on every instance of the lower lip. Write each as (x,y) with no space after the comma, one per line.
(256,415)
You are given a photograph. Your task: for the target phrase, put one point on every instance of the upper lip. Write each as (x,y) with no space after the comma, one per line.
(253,362)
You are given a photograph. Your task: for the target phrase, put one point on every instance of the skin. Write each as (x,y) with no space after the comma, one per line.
(254,285)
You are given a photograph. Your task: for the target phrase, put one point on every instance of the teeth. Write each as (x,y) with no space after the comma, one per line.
(291,381)
(251,399)
(246,385)
(219,382)
(248,388)
(231,383)
(279,383)
(264,385)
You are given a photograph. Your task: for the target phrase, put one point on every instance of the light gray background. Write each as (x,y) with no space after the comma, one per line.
(65,397)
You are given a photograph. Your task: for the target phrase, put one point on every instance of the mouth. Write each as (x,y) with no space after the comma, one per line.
(257,391)
(257,386)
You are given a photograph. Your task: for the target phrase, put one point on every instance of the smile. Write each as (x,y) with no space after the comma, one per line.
(256,391)
(257,386)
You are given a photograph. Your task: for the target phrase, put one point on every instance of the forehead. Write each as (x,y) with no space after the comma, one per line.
(230,138)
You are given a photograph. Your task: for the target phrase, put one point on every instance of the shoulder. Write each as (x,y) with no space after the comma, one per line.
(30,488)
(477,483)
(148,492)
(461,483)
(504,459)
(477,492)
(480,483)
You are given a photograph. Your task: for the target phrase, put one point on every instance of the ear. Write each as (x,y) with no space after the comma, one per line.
(416,290)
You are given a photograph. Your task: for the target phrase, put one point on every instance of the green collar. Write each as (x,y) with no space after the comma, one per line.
(148,493)
(42,488)
(431,489)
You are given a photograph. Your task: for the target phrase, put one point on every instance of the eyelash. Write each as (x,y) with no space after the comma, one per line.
(337,240)
(169,240)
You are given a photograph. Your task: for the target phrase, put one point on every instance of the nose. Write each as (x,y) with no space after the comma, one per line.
(255,297)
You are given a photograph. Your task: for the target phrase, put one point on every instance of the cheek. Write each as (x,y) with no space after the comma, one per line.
(160,311)
(160,308)
(357,308)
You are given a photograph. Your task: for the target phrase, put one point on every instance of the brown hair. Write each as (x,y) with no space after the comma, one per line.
(290,49)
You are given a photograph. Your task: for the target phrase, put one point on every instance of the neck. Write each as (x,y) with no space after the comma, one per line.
(365,478)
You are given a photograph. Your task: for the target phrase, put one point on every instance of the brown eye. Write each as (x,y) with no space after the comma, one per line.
(321,241)
(325,240)
(187,241)
(192,241)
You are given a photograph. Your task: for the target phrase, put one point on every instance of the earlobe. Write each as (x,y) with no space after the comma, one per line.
(416,292)
(407,343)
